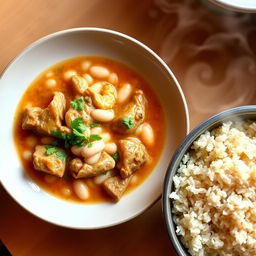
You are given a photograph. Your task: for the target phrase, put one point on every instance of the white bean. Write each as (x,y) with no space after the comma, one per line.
(50,178)
(31,141)
(81,189)
(111,148)
(139,130)
(113,78)
(124,93)
(101,178)
(147,134)
(27,155)
(88,78)
(50,83)
(134,180)
(97,146)
(99,72)
(106,136)
(85,65)
(103,115)
(68,74)
(96,130)
(76,150)
(93,159)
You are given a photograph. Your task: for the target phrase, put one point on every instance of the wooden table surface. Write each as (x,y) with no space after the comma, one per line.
(211,51)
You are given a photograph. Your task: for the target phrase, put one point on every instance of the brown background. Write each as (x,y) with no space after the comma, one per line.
(211,51)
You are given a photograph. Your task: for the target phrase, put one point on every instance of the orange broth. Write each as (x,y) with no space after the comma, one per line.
(39,95)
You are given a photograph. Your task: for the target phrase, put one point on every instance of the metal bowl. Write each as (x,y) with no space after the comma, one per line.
(237,5)
(239,113)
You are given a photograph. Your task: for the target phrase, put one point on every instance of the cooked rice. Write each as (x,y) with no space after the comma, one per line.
(214,202)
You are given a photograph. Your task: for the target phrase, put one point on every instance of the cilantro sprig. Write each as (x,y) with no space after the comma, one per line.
(91,138)
(77,136)
(77,104)
(128,122)
(50,149)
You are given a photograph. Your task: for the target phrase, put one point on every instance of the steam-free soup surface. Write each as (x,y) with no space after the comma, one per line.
(89,129)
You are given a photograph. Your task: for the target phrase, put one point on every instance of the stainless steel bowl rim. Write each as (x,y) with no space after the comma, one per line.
(239,113)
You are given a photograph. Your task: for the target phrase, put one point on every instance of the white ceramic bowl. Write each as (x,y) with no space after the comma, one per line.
(80,42)
(237,5)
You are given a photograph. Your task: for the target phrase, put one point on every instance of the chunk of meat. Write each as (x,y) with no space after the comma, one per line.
(103,95)
(116,186)
(80,84)
(72,114)
(48,163)
(45,120)
(133,155)
(134,110)
(83,170)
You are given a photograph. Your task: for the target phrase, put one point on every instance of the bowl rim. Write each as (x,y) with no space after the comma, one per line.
(116,33)
(121,35)
(238,7)
(242,112)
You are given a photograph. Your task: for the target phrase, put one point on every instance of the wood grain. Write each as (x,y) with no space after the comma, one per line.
(211,51)
(23,22)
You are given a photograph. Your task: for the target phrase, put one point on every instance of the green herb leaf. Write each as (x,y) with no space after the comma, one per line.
(73,139)
(128,122)
(59,153)
(77,104)
(50,149)
(77,137)
(78,124)
(89,145)
(91,138)
(58,134)
(94,137)
(92,125)
(116,156)
(78,133)
(62,136)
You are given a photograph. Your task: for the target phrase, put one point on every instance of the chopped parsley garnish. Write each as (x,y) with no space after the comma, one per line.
(77,136)
(89,145)
(78,124)
(50,149)
(128,122)
(58,134)
(92,125)
(77,104)
(91,138)
(116,156)
(94,137)
(58,152)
